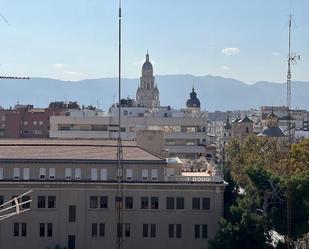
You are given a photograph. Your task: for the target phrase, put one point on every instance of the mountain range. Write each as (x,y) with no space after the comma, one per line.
(214,92)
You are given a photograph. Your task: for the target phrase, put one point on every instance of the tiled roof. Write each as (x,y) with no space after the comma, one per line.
(70,150)
(245,119)
(272,132)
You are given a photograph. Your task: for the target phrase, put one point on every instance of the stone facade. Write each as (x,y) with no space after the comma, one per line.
(147,94)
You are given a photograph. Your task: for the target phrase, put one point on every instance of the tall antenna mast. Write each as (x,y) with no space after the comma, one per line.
(119,201)
(292,59)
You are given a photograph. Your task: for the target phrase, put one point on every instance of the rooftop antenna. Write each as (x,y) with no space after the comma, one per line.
(14,207)
(119,201)
(292,59)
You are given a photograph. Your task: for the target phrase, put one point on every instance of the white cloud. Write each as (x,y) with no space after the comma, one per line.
(225,68)
(276,54)
(230,51)
(60,65)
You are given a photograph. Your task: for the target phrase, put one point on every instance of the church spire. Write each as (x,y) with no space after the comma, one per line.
(147,56)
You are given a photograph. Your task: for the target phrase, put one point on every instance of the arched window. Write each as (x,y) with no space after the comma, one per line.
(148,86)
(247,130)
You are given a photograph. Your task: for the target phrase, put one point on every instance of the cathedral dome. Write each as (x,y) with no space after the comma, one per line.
(147,66)
(193,101)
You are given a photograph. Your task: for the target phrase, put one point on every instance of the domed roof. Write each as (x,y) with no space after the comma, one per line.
(147,64)
(272,132)
(193,101)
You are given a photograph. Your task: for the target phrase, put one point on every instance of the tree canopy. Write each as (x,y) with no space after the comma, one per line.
(267,173)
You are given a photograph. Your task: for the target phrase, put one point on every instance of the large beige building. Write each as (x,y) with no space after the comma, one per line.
(74,197)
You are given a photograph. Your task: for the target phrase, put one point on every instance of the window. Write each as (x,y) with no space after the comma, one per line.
(196,231)
(41,201)
(206,203)
(35,122)
(149,230)
(171,230)
(178,230)
(94,174)
(78,174)
(145,230)
(125,113)
(101,229)
(25,122)
(24,199)
(51,201)
(174,227)
(68,173)
(129,174)
(170,203)
(154,175)
(144,202)
(118,202)
(97,229)
(247,130)
(16,229)
(103,174)
(103,201)
(153,230)
(26,173)
(127,230)
(41,122)
(1,200)
(42,230)
(180,203)
(129,202)
(72,213)
(23,229)
(196,203)
(145,174)
(49,229)
(16,173)
(52,173)
(154,202)
(1,173)
(204,231)
(200,228)
(93,202)
(94,230)
(42,175)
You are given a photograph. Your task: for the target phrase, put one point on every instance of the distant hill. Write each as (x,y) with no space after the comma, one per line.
(215,93)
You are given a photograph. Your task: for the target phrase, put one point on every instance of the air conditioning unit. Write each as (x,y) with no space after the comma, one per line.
(68,177)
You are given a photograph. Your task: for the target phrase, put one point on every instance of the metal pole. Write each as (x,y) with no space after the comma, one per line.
(119,198)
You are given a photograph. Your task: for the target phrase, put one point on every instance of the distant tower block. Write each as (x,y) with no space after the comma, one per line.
(147,94)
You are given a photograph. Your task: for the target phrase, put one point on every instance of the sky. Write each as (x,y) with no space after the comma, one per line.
(78,39)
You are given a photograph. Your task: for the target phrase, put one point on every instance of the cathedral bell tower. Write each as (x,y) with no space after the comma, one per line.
(147,94)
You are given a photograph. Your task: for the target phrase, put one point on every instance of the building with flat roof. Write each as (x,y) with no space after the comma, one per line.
(74,199)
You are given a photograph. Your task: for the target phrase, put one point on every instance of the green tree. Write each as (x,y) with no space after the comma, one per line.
(267,172)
